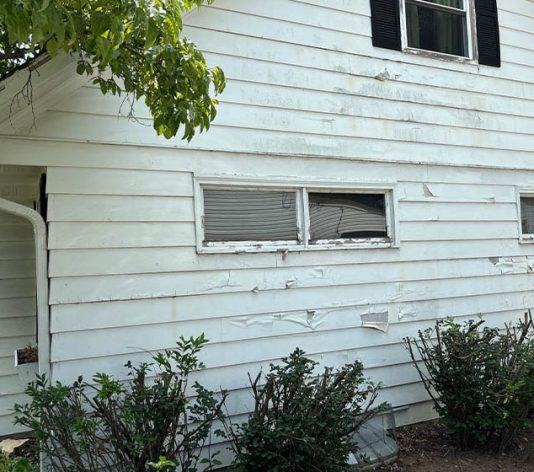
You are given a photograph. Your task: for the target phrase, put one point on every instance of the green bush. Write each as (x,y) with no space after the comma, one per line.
(16,464)
(481,379)
(146,423)
(302,422)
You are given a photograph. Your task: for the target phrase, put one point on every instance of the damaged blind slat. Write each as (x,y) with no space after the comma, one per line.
(344,216)
(249,215)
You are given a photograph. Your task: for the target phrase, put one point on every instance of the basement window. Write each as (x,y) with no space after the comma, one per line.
(235,215)
(247,217)
(526,204)
(347,216)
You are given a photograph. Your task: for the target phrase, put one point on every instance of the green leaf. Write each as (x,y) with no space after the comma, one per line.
(44,5)
(52,46)
(151,34)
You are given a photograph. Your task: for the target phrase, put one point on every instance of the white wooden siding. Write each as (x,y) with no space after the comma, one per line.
(308,98)
(17,285)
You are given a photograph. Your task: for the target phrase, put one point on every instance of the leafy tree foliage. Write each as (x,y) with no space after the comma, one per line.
(127,46)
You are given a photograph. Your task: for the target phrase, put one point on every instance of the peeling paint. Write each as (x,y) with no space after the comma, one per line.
(378,321)
(291,283)
(513,265)
(320,272)
(427,192)
(283,253)
(386,75)
(312,319)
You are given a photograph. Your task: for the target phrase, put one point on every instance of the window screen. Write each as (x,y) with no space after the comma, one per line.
(347,215)
(249,215)
(527,215)
(440,29)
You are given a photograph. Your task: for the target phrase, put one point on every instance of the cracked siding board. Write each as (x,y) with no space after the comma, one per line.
(73,318)
(374,349)
(127,287)
(122,261)
(224,305)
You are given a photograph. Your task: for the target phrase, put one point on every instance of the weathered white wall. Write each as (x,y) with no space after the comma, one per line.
(17,285)
(308,97)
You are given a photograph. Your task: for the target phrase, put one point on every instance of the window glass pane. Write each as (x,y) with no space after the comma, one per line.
(449,3)
(249,215)
(527,215)
(347,215)
(435,30)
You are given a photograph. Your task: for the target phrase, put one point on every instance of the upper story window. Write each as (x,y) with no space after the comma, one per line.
(525,202)
(438,25)
(247,216)
(454,29)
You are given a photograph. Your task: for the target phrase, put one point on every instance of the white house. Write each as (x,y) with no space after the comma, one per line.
(371,169)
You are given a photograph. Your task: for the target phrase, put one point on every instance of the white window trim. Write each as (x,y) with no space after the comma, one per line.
(301,188)
(523,238)
(472,50)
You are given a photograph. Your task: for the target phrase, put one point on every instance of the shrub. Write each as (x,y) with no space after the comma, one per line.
(142,424)
(16,464)
(303,422)
(480,379)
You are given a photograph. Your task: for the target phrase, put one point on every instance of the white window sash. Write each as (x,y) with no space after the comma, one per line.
(439,7)
(468,11)
(303,216)
(524,238)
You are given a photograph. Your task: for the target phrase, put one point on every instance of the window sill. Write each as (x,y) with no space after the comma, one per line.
(377,243)
(439,55)
(527,239)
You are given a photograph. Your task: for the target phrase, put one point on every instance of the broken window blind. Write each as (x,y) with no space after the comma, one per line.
(347,215)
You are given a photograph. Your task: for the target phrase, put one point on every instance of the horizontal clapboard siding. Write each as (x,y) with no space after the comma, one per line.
(459,255)
(308,100)
(17,285)
(307,72)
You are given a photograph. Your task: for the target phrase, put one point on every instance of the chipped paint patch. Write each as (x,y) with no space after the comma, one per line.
(378,321)
(513,265)
(427,192)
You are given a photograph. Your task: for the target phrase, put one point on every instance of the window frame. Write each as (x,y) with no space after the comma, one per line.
(302,188)
(469,10)
(523,238)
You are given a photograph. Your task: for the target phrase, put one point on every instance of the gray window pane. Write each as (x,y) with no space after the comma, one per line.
(347,215)
(249,215)
(435,30)
(527,215)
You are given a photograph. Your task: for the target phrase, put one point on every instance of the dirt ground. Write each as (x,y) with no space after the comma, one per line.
(427,448)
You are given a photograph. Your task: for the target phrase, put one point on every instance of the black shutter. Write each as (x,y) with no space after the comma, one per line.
(385,22)
(489,48)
